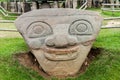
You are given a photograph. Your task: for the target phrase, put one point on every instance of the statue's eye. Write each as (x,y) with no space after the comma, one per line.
(39,29)
(81,27)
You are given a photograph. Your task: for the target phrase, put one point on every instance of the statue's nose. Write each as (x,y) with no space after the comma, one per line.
(61,41)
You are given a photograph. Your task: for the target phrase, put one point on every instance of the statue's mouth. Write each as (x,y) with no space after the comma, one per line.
(62,54)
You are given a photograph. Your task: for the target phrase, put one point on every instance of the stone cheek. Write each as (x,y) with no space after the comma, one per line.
(60,41)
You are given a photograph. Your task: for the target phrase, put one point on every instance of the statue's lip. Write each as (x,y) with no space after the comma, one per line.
(63,54)
(61,51)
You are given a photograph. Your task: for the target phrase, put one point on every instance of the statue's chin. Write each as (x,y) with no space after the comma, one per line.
(62,64)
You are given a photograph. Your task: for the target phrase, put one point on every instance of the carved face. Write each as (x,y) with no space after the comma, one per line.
(60,39)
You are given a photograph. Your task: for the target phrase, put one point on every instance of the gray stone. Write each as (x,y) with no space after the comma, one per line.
(19,7)
(34,6)
(60,39)
(12,4)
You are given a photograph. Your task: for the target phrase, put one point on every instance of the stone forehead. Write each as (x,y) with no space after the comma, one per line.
(58,12)
(56,16)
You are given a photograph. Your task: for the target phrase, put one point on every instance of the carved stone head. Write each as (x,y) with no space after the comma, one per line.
(60,39)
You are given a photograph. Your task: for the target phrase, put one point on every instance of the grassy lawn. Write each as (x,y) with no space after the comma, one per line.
(7,25)
(105,67)
(6,33)
(0,17)
(9,68)
(105,14)
(10,17)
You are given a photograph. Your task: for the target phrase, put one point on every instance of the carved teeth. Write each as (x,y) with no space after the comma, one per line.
(61,57)
(72,49)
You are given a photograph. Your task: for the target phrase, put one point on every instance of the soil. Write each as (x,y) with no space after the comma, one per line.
(28,60)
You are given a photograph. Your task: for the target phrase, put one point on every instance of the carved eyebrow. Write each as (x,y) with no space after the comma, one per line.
(36,22)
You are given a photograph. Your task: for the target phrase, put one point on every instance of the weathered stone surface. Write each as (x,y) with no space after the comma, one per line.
(60,39)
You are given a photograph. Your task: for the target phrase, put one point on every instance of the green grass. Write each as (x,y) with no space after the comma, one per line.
(7,25)
(105,67)
(9,68)
(1,17)
(10,17)
(109,39)
(105,14)
(110,14)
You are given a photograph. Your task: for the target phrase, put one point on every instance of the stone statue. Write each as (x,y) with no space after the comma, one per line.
(60,39)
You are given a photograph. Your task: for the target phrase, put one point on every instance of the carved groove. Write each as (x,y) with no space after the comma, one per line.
(81,27)
(39,29)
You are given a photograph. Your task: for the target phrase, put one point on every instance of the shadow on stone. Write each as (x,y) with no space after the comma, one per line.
(28,60)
